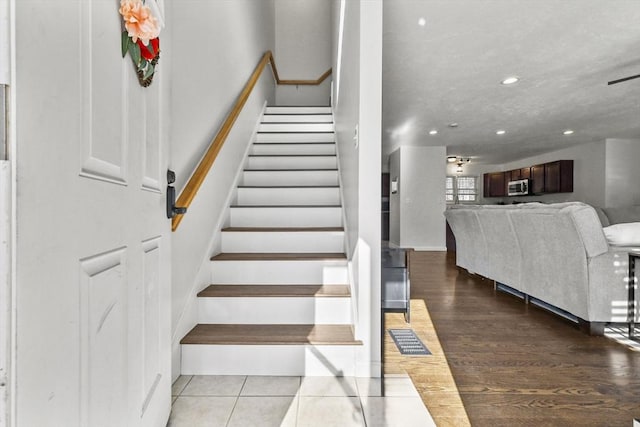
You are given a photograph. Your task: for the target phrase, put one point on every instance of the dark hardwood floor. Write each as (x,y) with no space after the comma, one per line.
(512,364)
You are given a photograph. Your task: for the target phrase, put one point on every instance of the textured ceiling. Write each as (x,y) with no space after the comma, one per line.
(450,70)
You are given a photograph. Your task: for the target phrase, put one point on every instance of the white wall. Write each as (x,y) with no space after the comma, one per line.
(359,50)
(622,186)
(370,146)
(417,219)
(4,42)
(5,62)
(7,233)
(5,288)
(217,46)
(303,49)
(346,112)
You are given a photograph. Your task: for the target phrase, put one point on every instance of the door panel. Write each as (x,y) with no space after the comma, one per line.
(105,89)
(94,242)
(103,336)
(151,343)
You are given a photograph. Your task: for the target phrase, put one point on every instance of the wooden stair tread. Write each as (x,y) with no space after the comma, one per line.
(285,229)
(234,334)
(260,291)
(313,122)
(302,132)
(292,155)
(292,170)
(279,256)
(288,186)
(294,142)
(286,206)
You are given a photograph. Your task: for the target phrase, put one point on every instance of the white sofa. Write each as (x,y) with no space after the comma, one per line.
(557,254)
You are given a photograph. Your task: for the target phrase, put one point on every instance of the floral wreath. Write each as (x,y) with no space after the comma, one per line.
(141,36)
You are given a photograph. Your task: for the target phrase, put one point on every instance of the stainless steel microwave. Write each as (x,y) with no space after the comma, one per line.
(519,187)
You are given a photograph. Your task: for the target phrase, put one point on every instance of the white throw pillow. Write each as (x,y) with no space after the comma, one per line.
(624,234)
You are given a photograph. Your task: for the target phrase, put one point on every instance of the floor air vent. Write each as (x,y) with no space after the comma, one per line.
(408,343)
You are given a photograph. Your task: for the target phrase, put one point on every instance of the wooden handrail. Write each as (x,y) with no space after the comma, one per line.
(197,178)
(296,82)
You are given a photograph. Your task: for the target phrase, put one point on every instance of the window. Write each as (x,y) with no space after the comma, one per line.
(461,189)
(450,192)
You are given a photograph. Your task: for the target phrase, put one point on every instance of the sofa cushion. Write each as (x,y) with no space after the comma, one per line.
(624,234)
(625,214)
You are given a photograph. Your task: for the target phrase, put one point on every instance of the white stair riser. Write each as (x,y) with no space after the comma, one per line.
(284,360)
(295,137)
(286,217)
(295,127)
(279,272)
(274,242)
(288,196)
(292,162)
(290,149)
(297,118)
(303,311)
(288,178)
(298,110)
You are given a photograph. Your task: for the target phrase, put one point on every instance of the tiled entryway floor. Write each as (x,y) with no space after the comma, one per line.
(212,400)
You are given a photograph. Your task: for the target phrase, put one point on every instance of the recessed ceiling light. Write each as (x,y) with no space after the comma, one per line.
(501,132)
(422,22)
(433,132)
(453,125)
(567,132)
(510,80)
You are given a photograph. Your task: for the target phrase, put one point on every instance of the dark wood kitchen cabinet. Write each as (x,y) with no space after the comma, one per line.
(495,184)
(537,179)
(558,177)
(517,174)
(547,178)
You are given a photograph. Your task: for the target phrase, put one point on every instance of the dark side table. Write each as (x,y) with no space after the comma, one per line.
(631,303)
(396,285)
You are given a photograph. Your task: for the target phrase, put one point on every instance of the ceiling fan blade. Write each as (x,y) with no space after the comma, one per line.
(612,82)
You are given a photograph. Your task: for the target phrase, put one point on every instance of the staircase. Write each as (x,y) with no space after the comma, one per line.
(280,302)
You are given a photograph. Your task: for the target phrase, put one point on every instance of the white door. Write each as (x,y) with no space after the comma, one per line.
(93,241)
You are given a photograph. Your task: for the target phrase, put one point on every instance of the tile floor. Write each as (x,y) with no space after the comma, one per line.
(229,401)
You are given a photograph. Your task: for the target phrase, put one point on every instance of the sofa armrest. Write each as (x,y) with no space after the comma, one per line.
(589,227)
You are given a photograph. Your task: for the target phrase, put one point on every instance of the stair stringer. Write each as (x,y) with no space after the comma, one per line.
(189,314)
(347,246)
(364,366)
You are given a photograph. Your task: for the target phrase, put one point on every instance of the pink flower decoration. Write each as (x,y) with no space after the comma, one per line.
(139,21)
